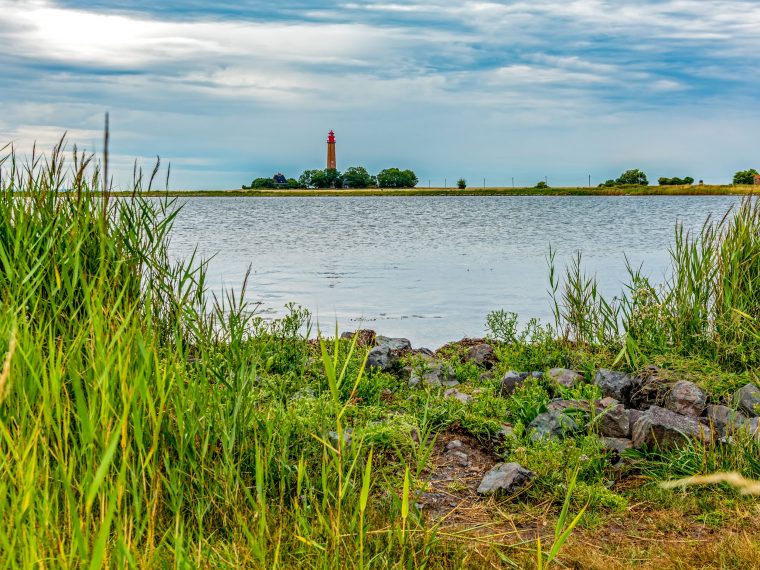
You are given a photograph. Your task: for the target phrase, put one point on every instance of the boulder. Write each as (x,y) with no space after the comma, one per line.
(614,422)
(511,381)
(613,384)
(460,457)
(551,424)
(565,377)
(723,419)
(453,393)
(482,355)
(440,374)
(453,444)
(380,358)
(686,398)
(752,425)
(748,399)
(617,444)
(364,337)
(633,416)
(394,343)
(507,478)
(666,429)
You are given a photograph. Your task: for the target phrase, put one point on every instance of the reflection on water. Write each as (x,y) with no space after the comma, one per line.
(428,268)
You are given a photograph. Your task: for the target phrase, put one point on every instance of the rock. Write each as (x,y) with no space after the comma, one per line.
(425,353)
(650,388)
(686,398)
(508,478)
(453,444)
(537,374)
(346,436)
(633,416)
(560,405)
(664,428)
(486,376)
(614,422)
(453,393)
(551,424)
(506,431)
(460,457)
(617,444)
(364,337)
(613,384)
(752,425)
(303,394)
(439,375)
(748,399)
(723,419)
(379,358)
(565,377)
(394,343)
(607,403)
(511,381)
(481,354)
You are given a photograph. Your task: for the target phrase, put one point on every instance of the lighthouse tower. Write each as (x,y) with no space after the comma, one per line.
(331,164)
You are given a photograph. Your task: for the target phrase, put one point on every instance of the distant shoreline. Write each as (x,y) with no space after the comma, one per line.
(696,190)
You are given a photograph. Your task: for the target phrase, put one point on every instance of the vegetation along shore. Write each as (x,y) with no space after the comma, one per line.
(699,190)
(144,423)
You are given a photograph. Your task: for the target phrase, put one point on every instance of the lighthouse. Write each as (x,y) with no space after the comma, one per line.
(331,164)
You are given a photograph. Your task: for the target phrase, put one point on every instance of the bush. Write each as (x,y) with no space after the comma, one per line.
(357,177)
(541,184)
(395,178)
(461,183)
(675,181)
(633,177)
(745,176)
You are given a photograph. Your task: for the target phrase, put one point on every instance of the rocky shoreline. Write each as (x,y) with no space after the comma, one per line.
(644,410)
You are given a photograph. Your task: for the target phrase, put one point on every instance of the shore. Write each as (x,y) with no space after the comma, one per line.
(698,190)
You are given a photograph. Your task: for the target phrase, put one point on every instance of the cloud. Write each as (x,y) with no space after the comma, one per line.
(240,89)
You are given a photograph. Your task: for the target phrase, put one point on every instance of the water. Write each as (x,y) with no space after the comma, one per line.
(427,268)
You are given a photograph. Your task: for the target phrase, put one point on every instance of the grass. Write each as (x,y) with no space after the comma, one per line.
(144,423)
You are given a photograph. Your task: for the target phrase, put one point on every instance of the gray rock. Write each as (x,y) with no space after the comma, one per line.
(537,374)
(752,425)
(686,398)
(748,399)
(394,343)
(551,424)
(565,377)
(453,444)
(460,457)
(508,478)
(453,393)
(723,419)
(633,416)
(613,384)
(481,354)
(303,394)
(614,422)
(560,405)
(506,431)
(617,444)
(666,429)
(511,381)
(346,436)
(436,376)
(380,358)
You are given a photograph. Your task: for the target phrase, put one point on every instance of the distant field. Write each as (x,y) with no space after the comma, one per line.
(564,191)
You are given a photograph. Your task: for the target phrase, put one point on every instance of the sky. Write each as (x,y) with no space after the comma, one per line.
(230,91)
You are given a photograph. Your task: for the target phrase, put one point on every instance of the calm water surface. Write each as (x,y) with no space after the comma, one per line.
(427,268)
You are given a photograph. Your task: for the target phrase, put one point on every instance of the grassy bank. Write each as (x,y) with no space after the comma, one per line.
(144,424)
(702,190)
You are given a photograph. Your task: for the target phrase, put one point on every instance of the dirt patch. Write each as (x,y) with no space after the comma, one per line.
(455,469)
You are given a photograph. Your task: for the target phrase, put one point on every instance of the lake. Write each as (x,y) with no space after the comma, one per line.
(426,268)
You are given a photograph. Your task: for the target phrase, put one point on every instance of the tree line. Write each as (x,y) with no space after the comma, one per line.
(353,177)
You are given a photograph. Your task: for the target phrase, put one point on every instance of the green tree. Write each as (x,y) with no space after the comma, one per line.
(395,178)
(328,178)
(357,177)
(293,183)
(634,177)
(541,184)
(745,176)
(263,183)
(675,181)
(461,183)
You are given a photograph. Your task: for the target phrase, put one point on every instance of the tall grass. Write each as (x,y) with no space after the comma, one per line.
(136,425)
(709,305)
